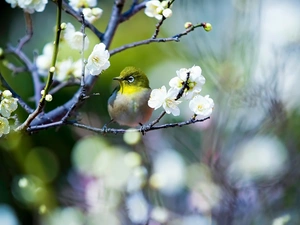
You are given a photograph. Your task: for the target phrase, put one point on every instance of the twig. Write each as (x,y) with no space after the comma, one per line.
(134,9)
(61,85)
(68,9)
(29,31)
(23,104)
(31,67)
(175,38)
(146,128)
(41,104)
(16,69)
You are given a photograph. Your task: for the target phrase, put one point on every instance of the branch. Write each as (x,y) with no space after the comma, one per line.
(143,130)
(68,9)
(175,38)
(31,67)
(23,104)
(29,31)
(134,9)
(41,104)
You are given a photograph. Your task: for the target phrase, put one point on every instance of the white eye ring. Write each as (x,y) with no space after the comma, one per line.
(130,79)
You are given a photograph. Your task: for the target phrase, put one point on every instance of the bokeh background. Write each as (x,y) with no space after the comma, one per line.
(239,167)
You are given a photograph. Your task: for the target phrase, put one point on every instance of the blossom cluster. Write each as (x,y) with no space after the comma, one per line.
(90,12)
(158,9)
(68,68)
(188,85)
(8,105)
(29,6)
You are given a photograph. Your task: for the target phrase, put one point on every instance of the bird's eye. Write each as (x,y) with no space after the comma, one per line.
(130,79)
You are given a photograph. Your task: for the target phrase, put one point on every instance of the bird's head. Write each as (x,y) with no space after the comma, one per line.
(132,77)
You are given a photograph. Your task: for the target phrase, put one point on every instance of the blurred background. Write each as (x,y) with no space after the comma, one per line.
(239,167)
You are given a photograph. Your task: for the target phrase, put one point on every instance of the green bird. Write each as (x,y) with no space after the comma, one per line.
(128,104)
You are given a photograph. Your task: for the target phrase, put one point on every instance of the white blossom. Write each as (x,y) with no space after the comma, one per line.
(160,97)
(98,60)
(4,126)
(75,38)
(8,105)
(194,83)
(77,4)
(137,208)
(64,70)
(6,94)
(29,6)
(154,8)
(91,15)
(43,62)
(202,106)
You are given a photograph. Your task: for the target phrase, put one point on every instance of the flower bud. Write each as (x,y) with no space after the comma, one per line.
(207,27)
(52,69)
(42,92)
(48,98)
(6,94)
(167,13)
(188,25)
(63,26)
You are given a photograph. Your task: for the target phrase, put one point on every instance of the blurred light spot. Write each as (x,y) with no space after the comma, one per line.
(33,192)
(69,215)
(42,209)
(42,163)
(160,214)
(104,218)
(169,172)
(205,196)
(137,179)
(282,220)
(137,208)
(86,152)
(132,159)
(7,215)
(262,157)
(23,182)
(192,220)
(131,136)
(196,173)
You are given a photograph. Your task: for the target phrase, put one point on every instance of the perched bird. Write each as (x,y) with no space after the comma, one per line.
(128,104)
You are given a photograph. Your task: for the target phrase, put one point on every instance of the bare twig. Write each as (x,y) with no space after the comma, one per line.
(68,9)
(61,85)
(29,31)
(175,38)
(145,129)
(31,67)
(23,104)
(41,104)
(135,8)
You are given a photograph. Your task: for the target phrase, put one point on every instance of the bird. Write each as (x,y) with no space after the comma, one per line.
(128,104)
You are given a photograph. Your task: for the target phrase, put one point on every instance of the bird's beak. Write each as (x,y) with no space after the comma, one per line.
(118,78)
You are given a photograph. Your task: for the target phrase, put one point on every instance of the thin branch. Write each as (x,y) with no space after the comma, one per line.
(22,103)
(175,38)
(31,67)
(41,105)
(70,82)
(29,31)
(134,9)
(68,9)
(114,22)
(144,129)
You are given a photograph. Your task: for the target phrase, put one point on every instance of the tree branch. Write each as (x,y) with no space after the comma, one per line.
(68,9)
(29,31)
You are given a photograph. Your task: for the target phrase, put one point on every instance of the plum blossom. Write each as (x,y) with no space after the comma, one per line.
(98,60)
(29,6)
(202,106)
(74,38)
(194,83)
(160,97)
